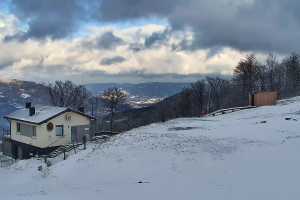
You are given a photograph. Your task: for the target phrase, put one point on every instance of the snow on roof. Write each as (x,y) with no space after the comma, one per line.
(25,95)
(42,113)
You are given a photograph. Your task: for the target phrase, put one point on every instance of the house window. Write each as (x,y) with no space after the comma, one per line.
(59,130)
(26,130)
(18,127)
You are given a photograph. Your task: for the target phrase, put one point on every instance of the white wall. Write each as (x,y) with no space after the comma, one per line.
(45,138)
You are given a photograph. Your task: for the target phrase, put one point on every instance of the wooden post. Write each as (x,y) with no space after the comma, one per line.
(64,154)
(84,141)
(74,147)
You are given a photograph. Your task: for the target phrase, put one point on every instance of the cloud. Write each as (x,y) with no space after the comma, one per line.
(53,19)
(119,10)
(240,24)
(112,60)
(156,38)
(8,25)
(108,41)
(48,60)
(6,64)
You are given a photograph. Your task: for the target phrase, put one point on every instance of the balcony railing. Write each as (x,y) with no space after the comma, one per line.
(5,133)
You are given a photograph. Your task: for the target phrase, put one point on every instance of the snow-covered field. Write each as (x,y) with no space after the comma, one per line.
(246,155)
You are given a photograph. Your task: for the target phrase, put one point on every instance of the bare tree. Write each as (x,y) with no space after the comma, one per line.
(67,94)
(198,90)
(218,88)
(112,98)
(163,111)
(279,78)
(262,75)
(271,66)
(292,67)
(184,104)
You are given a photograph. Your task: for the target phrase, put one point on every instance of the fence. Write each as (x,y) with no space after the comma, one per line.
(229,110)
(4,132)
(6,162)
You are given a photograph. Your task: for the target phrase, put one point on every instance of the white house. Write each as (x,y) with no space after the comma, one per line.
(38,130)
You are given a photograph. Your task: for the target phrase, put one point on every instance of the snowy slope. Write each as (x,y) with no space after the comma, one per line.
(246,155)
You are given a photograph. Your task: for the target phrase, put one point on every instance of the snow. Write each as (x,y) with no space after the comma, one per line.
(42,113)
(250,154)
(25,95)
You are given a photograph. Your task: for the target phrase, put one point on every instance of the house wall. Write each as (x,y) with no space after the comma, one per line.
(45,138)
(7,147)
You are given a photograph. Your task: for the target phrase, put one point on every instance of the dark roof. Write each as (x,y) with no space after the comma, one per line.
(42,114)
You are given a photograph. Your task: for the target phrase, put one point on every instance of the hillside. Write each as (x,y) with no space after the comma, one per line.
(251,154)
(14,94)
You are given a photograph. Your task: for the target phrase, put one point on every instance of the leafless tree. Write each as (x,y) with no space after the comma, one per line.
(163,110)
(198,90)
(271,66)
(218,88)
(112,98)
(184,103)
(262,75)
(292,67)
(279,78)
(67,94)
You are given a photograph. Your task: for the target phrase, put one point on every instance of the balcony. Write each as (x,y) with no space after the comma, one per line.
(5,133)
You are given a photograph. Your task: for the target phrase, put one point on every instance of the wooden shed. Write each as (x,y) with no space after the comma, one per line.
(263,99)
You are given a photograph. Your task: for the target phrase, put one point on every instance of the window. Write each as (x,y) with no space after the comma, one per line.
(18,127)
(26,130)
(59,130)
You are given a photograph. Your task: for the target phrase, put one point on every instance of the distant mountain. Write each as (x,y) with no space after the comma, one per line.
(14,94)
(151,90)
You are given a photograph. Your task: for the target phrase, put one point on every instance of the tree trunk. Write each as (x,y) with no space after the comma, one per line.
(111,120)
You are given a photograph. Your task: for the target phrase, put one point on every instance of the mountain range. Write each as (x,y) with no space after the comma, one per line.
(15,93)
(151,90)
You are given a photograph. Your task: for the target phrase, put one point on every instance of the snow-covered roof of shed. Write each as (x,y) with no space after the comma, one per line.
(42,114)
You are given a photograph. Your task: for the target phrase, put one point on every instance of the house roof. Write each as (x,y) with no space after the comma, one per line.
(42,114)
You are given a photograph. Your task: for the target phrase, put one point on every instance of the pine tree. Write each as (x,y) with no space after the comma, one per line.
(246,75)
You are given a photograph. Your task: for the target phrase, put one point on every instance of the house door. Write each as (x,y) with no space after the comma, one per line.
(20,152)
(74,138)
(77,133)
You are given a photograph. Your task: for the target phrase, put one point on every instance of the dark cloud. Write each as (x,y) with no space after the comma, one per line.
(6,64)
(156,38)
(108,41)
(258,25)
(112,10)
(269,25)
(54,19)
(112,60)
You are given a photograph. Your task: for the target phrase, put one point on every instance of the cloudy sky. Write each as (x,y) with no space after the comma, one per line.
(140,40)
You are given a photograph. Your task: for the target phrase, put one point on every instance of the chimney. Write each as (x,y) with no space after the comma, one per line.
(81,109)
(31,111)
(28,105)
